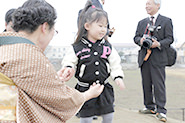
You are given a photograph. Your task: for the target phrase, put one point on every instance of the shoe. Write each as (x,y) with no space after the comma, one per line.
(161,117)
(95,118)
(147,111)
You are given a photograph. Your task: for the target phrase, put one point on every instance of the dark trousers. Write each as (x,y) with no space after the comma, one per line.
(153,80)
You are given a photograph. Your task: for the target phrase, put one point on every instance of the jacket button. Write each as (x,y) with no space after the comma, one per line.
(95,53)
(97,81)
(97,63)
(97,72)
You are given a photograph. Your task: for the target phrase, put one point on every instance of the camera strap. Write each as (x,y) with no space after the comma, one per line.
(146,29)
(148,54)
(148,50)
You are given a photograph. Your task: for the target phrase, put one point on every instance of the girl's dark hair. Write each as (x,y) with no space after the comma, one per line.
(32,14)
(89,14)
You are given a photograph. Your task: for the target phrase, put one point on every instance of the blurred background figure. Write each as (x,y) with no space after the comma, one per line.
(98,3)
(8,20)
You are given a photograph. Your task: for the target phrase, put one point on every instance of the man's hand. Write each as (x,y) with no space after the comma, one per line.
(141,41)
(155,44)
(111,31)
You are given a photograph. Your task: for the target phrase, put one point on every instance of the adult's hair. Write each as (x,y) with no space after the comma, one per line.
(158,2)
(8,15)
(89,14)
(32,14)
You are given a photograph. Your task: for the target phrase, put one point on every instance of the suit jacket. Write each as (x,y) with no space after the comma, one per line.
(163,33)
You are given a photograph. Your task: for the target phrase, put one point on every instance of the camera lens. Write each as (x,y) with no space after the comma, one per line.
(147,43)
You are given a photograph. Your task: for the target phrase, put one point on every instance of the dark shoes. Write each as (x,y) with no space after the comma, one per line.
(161,117)
(95,117)
(147,111)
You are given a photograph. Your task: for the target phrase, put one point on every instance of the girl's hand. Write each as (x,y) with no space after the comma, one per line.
(66,73)
(120,83)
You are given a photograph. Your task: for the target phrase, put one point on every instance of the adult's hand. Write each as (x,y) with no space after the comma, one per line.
(94,91)
(155,43)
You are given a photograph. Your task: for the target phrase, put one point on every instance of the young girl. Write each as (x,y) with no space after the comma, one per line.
(94,60)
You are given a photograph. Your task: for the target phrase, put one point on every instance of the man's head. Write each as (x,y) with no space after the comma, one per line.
(152,6)
(8,20)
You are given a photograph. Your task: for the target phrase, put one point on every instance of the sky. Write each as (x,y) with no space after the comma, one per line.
(124,16)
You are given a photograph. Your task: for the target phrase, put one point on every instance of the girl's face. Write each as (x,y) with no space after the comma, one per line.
(96,30)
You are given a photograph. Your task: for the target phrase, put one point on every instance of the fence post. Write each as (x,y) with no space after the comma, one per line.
(183,113)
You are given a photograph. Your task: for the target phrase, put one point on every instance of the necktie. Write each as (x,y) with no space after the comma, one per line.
(152,20)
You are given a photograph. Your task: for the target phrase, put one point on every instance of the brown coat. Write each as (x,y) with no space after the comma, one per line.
(42,97)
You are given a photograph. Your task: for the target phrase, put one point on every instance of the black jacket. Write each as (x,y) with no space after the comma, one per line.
(94,62)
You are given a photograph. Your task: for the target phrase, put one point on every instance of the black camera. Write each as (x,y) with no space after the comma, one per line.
(147,43)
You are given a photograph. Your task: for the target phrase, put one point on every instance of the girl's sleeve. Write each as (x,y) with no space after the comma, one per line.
(115,65)
(70,59)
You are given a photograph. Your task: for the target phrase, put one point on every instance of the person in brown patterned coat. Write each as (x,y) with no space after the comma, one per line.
(30,89)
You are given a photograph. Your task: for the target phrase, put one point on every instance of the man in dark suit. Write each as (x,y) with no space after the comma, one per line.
(153,60)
